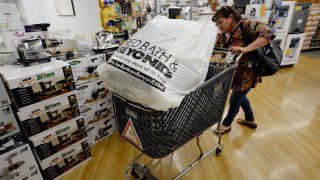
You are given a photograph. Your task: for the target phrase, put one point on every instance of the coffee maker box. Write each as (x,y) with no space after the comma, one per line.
(4,97)
(48,114)
(101,131)
(292,49)
(8,122)
(33,84)
(17,163)
(59,138)
(12,142)
(65,160)
(33,175)
(284,17)
(82,71)
(96,60)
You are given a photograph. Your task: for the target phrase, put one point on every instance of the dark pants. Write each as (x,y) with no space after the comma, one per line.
(237,99)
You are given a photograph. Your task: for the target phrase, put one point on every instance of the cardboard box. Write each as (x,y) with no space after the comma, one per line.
(105,129)
(103,111)
(12,142)
(8,122)
(47,114)
(82,71)
(59,138)
(91,93)
(63,161)
(4,97)
(285,15)
(33,175)
(292,49)
(33,84)
(17,163)
(96,60)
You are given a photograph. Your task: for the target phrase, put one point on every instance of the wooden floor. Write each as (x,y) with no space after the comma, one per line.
(286,144)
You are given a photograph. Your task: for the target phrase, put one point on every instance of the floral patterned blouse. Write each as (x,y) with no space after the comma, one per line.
(245,76)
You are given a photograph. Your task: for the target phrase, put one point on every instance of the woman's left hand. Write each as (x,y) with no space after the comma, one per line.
(238,49)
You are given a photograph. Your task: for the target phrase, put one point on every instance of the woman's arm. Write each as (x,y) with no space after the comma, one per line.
(258,43)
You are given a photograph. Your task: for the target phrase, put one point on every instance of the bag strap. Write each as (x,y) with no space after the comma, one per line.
(246,36)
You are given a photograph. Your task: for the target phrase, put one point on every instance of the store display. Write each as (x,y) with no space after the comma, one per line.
(292,49)
(253,11)
(285,16)
(8,122)
(59,138)
(158,69)
(30,85)
(312,30)
(56,165)
(19,163)
(281,40)
(45,115)
(300,17)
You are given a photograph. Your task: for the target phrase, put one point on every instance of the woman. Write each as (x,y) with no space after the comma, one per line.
(228,21)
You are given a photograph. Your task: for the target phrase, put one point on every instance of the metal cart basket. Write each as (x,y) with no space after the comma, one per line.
(158,134)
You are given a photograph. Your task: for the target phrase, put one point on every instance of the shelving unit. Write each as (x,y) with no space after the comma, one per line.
(312,39)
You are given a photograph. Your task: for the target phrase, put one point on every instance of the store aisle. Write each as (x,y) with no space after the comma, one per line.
(284,146)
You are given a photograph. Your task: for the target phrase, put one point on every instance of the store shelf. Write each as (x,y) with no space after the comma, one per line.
(318,39)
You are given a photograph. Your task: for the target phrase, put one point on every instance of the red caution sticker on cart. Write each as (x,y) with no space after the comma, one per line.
(130,134)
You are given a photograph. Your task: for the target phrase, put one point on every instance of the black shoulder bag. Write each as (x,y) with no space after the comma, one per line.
(268,58)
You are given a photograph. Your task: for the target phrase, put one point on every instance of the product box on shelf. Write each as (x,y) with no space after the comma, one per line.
(81,70)
(8,122)
(50,113)
(33,84)
(59,138)
(285,15)
(4,97)
(281,40)
(101,130)
(18,163)
(91,93)
(56,165)
(292,49)
(12,142)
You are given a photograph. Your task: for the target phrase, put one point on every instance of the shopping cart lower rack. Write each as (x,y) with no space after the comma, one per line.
(158,134)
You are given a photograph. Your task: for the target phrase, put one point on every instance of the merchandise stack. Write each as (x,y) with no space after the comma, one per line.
(312,29)
(295,38)
(47,109)
(94,99)
(121,15)
(16,158)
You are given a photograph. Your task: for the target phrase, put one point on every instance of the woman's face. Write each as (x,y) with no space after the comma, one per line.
(224,24)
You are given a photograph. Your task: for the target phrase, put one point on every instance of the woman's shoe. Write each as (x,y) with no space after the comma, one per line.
(223,130)
(250,124)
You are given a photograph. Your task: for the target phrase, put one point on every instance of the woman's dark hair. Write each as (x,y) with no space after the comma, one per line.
(225,12)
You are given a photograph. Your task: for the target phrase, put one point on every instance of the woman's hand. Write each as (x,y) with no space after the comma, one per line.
(238,50)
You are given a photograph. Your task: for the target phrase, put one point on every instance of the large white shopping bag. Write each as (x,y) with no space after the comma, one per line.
(161,63)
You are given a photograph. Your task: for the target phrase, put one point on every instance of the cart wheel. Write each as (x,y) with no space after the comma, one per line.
(137,174)
(219,149)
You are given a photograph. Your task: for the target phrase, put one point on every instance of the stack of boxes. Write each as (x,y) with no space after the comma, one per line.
(16,158)
(94,99)
(45,98)
(312,29)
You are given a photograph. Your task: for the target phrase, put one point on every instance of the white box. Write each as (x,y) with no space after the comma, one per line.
(91,93)
(4,97)
(96,60)
(253,12)
(8,122)
(33,175)
(105,130)
(104,111)
(33,84)
(61,162)
(12,142)
(292,49)
(17,163)
(50,113)
(82,71)
(285,15)
(88,112)
(59,138)
(281,39)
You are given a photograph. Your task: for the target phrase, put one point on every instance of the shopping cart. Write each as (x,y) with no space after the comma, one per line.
(158,134)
